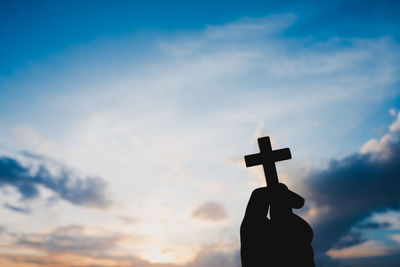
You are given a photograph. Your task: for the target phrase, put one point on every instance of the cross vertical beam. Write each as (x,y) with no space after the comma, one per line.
(267,158)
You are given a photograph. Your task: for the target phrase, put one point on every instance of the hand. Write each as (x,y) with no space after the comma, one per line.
(284,239)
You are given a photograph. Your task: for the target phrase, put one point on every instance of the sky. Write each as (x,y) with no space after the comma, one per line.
(123,126)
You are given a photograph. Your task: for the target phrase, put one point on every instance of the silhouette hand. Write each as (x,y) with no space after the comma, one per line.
(284,239)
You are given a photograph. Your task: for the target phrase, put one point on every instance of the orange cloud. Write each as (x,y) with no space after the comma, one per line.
(366,249)
(60,260)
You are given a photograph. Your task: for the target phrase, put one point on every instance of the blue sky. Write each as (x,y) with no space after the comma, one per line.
(123,126)
(39,30)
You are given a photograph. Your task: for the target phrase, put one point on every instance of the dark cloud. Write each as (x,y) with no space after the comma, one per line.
(324,260)
(211,211)
(17,209)
(89,191)
(373,225)
(386,261)
(352,188)
(14,174)
(351,239)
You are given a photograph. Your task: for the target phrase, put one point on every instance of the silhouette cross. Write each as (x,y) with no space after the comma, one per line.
(267,157)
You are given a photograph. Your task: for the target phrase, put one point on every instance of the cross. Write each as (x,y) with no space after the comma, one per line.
(267,157)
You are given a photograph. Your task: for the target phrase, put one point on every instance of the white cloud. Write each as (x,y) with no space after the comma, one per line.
(391,217)
(380,149)
(395,125)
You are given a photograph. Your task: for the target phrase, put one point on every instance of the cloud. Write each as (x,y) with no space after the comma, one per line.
(17,209)
(210,211)
(351,239)
(390,218)
(128,219)
(65,259)
(210,256)
(350,189)
(89,191)
(71,238)
(250,27)
(367,249)
(369,225)
(84,246)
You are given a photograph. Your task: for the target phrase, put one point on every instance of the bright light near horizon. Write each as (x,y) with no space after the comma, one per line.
(160,256)
(169,253)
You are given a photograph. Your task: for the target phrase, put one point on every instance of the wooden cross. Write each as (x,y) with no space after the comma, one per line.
(267,157)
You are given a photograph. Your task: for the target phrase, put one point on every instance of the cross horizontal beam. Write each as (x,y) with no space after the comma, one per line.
(267,158)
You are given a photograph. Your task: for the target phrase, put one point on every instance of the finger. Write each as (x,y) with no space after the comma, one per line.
(257,206)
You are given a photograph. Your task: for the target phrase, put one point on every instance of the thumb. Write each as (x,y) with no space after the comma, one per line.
(280,195)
